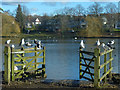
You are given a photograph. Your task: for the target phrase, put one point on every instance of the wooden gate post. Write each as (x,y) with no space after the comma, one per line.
(7,56)
(80,61)
(105,67)
(12,64)
(36,60)
(43,65)
(96,68)
(110,65)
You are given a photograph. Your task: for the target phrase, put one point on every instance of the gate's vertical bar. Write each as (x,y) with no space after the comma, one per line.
(110,65)
(12,63)
(43,65)
(80,61)
(35,60)
(7,64)
(105,67)
(22,49)
(96,68)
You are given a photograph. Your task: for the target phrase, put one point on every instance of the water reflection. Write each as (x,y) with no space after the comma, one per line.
(62,56)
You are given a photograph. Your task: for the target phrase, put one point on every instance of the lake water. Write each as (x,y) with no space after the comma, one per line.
(62,56)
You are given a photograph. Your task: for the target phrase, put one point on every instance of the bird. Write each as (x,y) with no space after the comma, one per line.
(111,42)
(35,41)
(28,44)
(8,42)
(22,42)
(75,38)
(39,45)
(106,47)
(97,43)
(82,45)
(13,46)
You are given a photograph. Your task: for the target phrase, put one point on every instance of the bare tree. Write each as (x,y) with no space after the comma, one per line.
(80,10)
(112,16)
(95,9)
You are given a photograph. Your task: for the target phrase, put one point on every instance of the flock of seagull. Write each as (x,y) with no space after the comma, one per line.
(107,46)
(22,43)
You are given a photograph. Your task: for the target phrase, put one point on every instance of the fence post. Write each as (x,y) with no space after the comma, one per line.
(7,64)
(96,68)
(12,64)
(80,61)
(43,65)
(22,49)
(105,67)
(110,65)
(36,60)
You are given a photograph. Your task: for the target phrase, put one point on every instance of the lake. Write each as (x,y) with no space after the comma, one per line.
(62,56)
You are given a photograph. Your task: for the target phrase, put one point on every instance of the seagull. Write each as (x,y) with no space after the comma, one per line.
(8,42)
(106,47)
(97,43)
(39,46)
(13,46)
(28,44)
(111,42)
(75,38)
(22,42)
(35,41)
(82,45)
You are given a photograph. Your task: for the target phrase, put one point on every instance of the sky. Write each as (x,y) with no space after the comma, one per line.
(40,7)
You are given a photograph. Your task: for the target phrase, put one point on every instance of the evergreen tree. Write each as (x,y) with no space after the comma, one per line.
(20,17)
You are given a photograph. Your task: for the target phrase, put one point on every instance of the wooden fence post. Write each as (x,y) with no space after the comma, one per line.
(105,67)
(43,65)
(36,60)
(80,61)
(7,64)
(110,65)
(96,68)
(12,64)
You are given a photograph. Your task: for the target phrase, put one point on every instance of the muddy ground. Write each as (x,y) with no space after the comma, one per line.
(48,83)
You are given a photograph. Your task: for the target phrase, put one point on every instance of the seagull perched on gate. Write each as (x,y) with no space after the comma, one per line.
(106,47)
(39,45)
(82,45)
(28,44)
(97,43)
(35,41)
(8,42)
(111,42)
(22,42)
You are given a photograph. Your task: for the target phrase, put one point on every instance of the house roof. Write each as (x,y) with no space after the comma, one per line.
(37,20)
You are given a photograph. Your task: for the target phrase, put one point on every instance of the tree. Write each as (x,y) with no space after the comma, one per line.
(80,10)
(95,9)
(112,17)
(20,17)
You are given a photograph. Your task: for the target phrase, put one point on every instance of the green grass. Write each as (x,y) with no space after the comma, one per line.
(116,29)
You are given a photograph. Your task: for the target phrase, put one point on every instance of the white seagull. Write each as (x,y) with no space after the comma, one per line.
(8,42)
(28,44)
(15,68)
(39,45)
(82,45)
(97,43)
(35,41)
(106,47)
(22,42)
(111,42)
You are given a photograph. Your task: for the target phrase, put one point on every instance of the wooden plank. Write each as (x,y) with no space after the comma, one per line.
(86,52)
(87,59)
(105,52)
(105,67)
(96,68)
(87,72)
(110,65)
(43,65)
(87,78)
(101,66)
(80,60)
(12,65)
(87,66)
(106,73)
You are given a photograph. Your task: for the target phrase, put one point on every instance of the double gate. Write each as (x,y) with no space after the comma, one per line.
(21,63)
